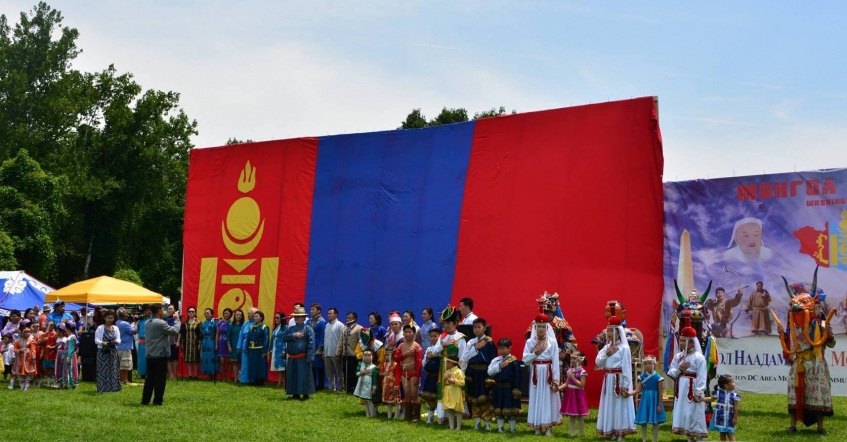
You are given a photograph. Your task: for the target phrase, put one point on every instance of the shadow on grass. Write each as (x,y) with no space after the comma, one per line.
(776,414)
(355,413)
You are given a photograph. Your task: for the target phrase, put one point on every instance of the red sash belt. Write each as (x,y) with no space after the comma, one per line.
(141,340)
(549,365)
(297,356)
(690,394)
(617,372)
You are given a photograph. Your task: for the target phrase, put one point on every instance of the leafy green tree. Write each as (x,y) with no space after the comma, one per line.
(129,275)
(416,119)
(492,113)
(30,212)
(38,90)
(124,150)
(450,116)
(7,252)
(233,140)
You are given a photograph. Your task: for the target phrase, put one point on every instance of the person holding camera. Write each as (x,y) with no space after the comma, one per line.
(158,333)
(107,337)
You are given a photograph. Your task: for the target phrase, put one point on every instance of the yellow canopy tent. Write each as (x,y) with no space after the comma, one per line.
(105,290)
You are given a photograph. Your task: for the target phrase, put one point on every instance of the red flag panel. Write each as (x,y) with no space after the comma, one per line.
(568,201)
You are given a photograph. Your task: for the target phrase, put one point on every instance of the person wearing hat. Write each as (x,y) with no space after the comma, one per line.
(450,343)
(688,368)
(541,353)
(394,334)
(58,315)
(746,244)
(616,413)
(42,318)
(393,337)
(368,341)
(300,348)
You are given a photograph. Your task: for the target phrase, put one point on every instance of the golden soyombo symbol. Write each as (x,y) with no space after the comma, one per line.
(241,233)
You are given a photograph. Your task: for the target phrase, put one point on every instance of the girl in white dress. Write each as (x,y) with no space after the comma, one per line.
(616,414)
(541,353)
(368,374)
(688,367)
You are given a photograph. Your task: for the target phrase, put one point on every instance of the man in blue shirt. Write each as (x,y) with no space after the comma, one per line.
(125,347)
(58,315)
(319,326)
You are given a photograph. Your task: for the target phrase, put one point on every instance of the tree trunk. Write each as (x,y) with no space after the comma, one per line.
(88,258)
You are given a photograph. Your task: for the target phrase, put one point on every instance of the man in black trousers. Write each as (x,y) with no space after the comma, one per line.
(346,352)
(158,351)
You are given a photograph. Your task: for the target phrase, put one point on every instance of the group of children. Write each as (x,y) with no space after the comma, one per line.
(456,373)
(35,357)
(478,378)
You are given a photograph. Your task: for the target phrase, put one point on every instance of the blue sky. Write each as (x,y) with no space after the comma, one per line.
(744,87)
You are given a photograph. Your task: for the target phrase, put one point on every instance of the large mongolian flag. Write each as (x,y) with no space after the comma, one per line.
(498,210)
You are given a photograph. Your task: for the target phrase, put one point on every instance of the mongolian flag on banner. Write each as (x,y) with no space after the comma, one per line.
(499,210)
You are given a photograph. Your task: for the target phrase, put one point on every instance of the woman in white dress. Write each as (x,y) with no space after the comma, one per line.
(541,353)
(616,414)
(688,368)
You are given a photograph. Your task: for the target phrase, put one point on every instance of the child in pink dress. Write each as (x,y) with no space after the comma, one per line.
(574,402)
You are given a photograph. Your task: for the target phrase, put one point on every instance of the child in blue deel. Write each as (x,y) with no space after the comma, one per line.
(726,407)
(651,409)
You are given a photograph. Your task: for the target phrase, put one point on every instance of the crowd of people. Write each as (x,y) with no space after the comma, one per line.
(448,363)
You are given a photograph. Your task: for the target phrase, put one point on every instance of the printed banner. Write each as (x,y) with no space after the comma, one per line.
(757,364)
(743,235)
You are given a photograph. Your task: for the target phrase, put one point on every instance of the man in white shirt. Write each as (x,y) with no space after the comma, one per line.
(466,308)
(291,321)
(332,334)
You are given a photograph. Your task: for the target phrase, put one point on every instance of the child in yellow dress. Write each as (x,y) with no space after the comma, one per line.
(453,396)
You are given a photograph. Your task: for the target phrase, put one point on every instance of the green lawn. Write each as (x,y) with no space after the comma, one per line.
(198,410)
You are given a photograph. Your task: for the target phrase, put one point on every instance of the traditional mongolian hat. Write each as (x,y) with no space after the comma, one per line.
(740,223)
(394,317)
(299,311)
(688,331)
(612,312)
(366,336)
(450,314)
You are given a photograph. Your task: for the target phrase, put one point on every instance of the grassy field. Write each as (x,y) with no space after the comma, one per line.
(198,410)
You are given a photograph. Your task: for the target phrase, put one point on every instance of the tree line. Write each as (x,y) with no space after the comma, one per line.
(94,167)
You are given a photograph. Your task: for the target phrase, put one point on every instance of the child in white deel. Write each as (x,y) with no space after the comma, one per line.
(726,407)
